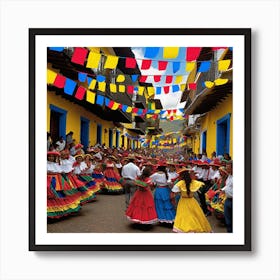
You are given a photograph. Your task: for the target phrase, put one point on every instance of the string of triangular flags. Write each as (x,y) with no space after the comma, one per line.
(70,87)
(99,84)
(91,59)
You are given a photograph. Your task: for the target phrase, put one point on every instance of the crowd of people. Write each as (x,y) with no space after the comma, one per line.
(177,189)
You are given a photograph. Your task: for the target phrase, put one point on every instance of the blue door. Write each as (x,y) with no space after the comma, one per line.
(110,138)
(223,135)
(117,138)
(57,122)
(99,134)
(84,132)
(203,147)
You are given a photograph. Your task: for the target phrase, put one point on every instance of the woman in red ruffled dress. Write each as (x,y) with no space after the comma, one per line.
(141,208)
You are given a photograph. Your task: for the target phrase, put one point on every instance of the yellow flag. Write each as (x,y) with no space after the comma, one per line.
(129,109)
(157,111)
(223,64)
(90,97)
(51,75)
(111,62)
(209,84)
(153,106)
(102,86)
(93,60)
(92,84)
(170,52)
(120,78)
(121,88)
(113,88)
(190,66)
(115,106)
(178,79)
(182,87)
(151,91)
(219,82)
(141,90)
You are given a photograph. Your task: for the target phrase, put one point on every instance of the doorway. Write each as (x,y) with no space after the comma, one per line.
(223,135)
(57,123)
(84,132)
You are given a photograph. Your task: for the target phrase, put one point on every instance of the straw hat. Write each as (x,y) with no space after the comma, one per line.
(53,153)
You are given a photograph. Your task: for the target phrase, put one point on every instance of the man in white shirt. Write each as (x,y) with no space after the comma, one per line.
(60,144)
(130,172)
(228,189)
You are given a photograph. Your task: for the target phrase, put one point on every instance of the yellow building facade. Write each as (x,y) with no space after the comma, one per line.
(219,120)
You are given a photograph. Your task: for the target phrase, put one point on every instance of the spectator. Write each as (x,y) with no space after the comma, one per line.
(60,144)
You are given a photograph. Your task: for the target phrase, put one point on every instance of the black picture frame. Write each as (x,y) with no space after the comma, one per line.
(245,32)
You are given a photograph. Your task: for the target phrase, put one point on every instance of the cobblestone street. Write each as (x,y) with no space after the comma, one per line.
(107,214)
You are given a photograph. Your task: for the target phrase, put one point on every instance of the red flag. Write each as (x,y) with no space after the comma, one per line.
(59,81)
(171,118)
(80,93)
(120,106)
(157,78)
(155,117)
(145,111)
(111,104)
(192,86)
(129,89)
(143,79)
(79,56)
(174,111)
(166,89)
(168,112)
(169,79)
(146,64)
(192,53)
(135,110)
(162,65)
(130,62)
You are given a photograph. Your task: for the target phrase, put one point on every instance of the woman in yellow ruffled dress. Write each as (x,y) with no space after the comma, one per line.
(189,215)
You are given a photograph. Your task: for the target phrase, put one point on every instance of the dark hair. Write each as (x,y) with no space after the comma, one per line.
(163,169)
(145,173)
(187,178)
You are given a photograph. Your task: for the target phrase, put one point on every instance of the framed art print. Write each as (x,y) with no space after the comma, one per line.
(174,105)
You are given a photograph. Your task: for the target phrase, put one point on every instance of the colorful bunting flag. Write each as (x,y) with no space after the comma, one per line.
(168,79)
(158,90)
(92,84)
(107,101)
(146,64)
(89,79)
(128,109)
(90,97)
(111,62)
(93,60)
(219,82)
(176,66)
(113,88)
(141,90)
(100,78)
(120,78)
(151,91)
(157,78)
(129,89)
(102,86)
(51,75)
(130,62)
(69,86)
(134,78)
(178,79)
(59,81)
(223,64)
(190,66)
(209,84)
(192,86)
(166,89)
(57,49)
(99,100)
(79,56)
(170,52)
(143,79)
(204,66)
(162,65)
(115,106)
(175,88)
(192,53)
(82,77)
(80,93)
(121,88)
(151,52)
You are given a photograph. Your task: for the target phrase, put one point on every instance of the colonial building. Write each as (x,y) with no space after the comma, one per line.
(209,106)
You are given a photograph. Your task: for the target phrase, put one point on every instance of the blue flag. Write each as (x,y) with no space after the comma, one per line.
(176,66)
(204,66)
(99,100)
(57,49)
(151,52)
(69,86)
(82,77)
(100,78)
